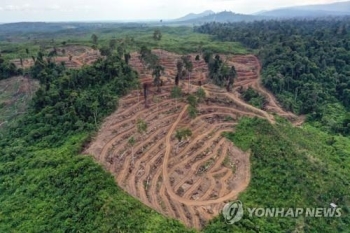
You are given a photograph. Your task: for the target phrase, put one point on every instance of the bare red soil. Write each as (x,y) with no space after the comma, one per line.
(15,94)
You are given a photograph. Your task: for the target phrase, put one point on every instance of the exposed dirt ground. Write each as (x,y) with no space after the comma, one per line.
(193,183)
(15,94)
(80,55)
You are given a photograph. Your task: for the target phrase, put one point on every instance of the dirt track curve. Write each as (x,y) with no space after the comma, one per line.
(193,183)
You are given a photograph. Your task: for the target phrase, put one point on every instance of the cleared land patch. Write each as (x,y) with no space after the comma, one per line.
(190,180)
(74,56)
(15,94)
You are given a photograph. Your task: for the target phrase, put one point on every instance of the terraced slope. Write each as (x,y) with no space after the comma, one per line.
(191,180)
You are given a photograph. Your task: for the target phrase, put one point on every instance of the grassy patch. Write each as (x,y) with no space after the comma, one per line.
(180,40)
(56,190)
(292,168)
(254,98)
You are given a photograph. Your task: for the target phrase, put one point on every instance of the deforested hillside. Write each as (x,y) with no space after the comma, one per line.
(305,64)
(155,129)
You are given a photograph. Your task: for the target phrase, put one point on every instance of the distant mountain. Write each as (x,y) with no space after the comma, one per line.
(320,10)
(223,17)
(192,16)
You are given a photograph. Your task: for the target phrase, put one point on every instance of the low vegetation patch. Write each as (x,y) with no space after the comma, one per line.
(292,168)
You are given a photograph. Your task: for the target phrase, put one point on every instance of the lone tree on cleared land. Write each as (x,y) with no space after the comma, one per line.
(141,128)
(231,77)
(132,142)
(189,68)
(145,92)
(192,101)
(94,39)
(127,57)
(179,67)
(176,93)
(192,109)
(192,112)
(200,93)
(144,51)
(157,73)
(182,134)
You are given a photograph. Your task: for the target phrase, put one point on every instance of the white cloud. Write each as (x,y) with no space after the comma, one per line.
(24,7)
(54,10)
(83,8)
(53,7)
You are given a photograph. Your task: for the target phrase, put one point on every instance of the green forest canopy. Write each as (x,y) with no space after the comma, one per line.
(45,186)
(305,63)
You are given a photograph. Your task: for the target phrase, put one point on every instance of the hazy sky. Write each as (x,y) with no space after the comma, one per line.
(68,10)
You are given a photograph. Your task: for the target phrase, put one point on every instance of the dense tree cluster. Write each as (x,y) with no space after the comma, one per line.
(152,62)
(253,97)
(7,69)
(73,100)
(306,63)
(219,71)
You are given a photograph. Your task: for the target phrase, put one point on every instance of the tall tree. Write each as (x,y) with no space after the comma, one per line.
(189,67)
(157,72)
(200,93)
(157,35)
(94,39)
(192,109)
(231,77)
(207,56)
(95,107)
(192,112)
(145,93)
(192,101)
(141,128)
(127,58)
(176,93)
(144,52)
(182,134)
(179,67)
(21,61)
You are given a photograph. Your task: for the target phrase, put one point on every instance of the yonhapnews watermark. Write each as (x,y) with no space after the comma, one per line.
(233,212)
